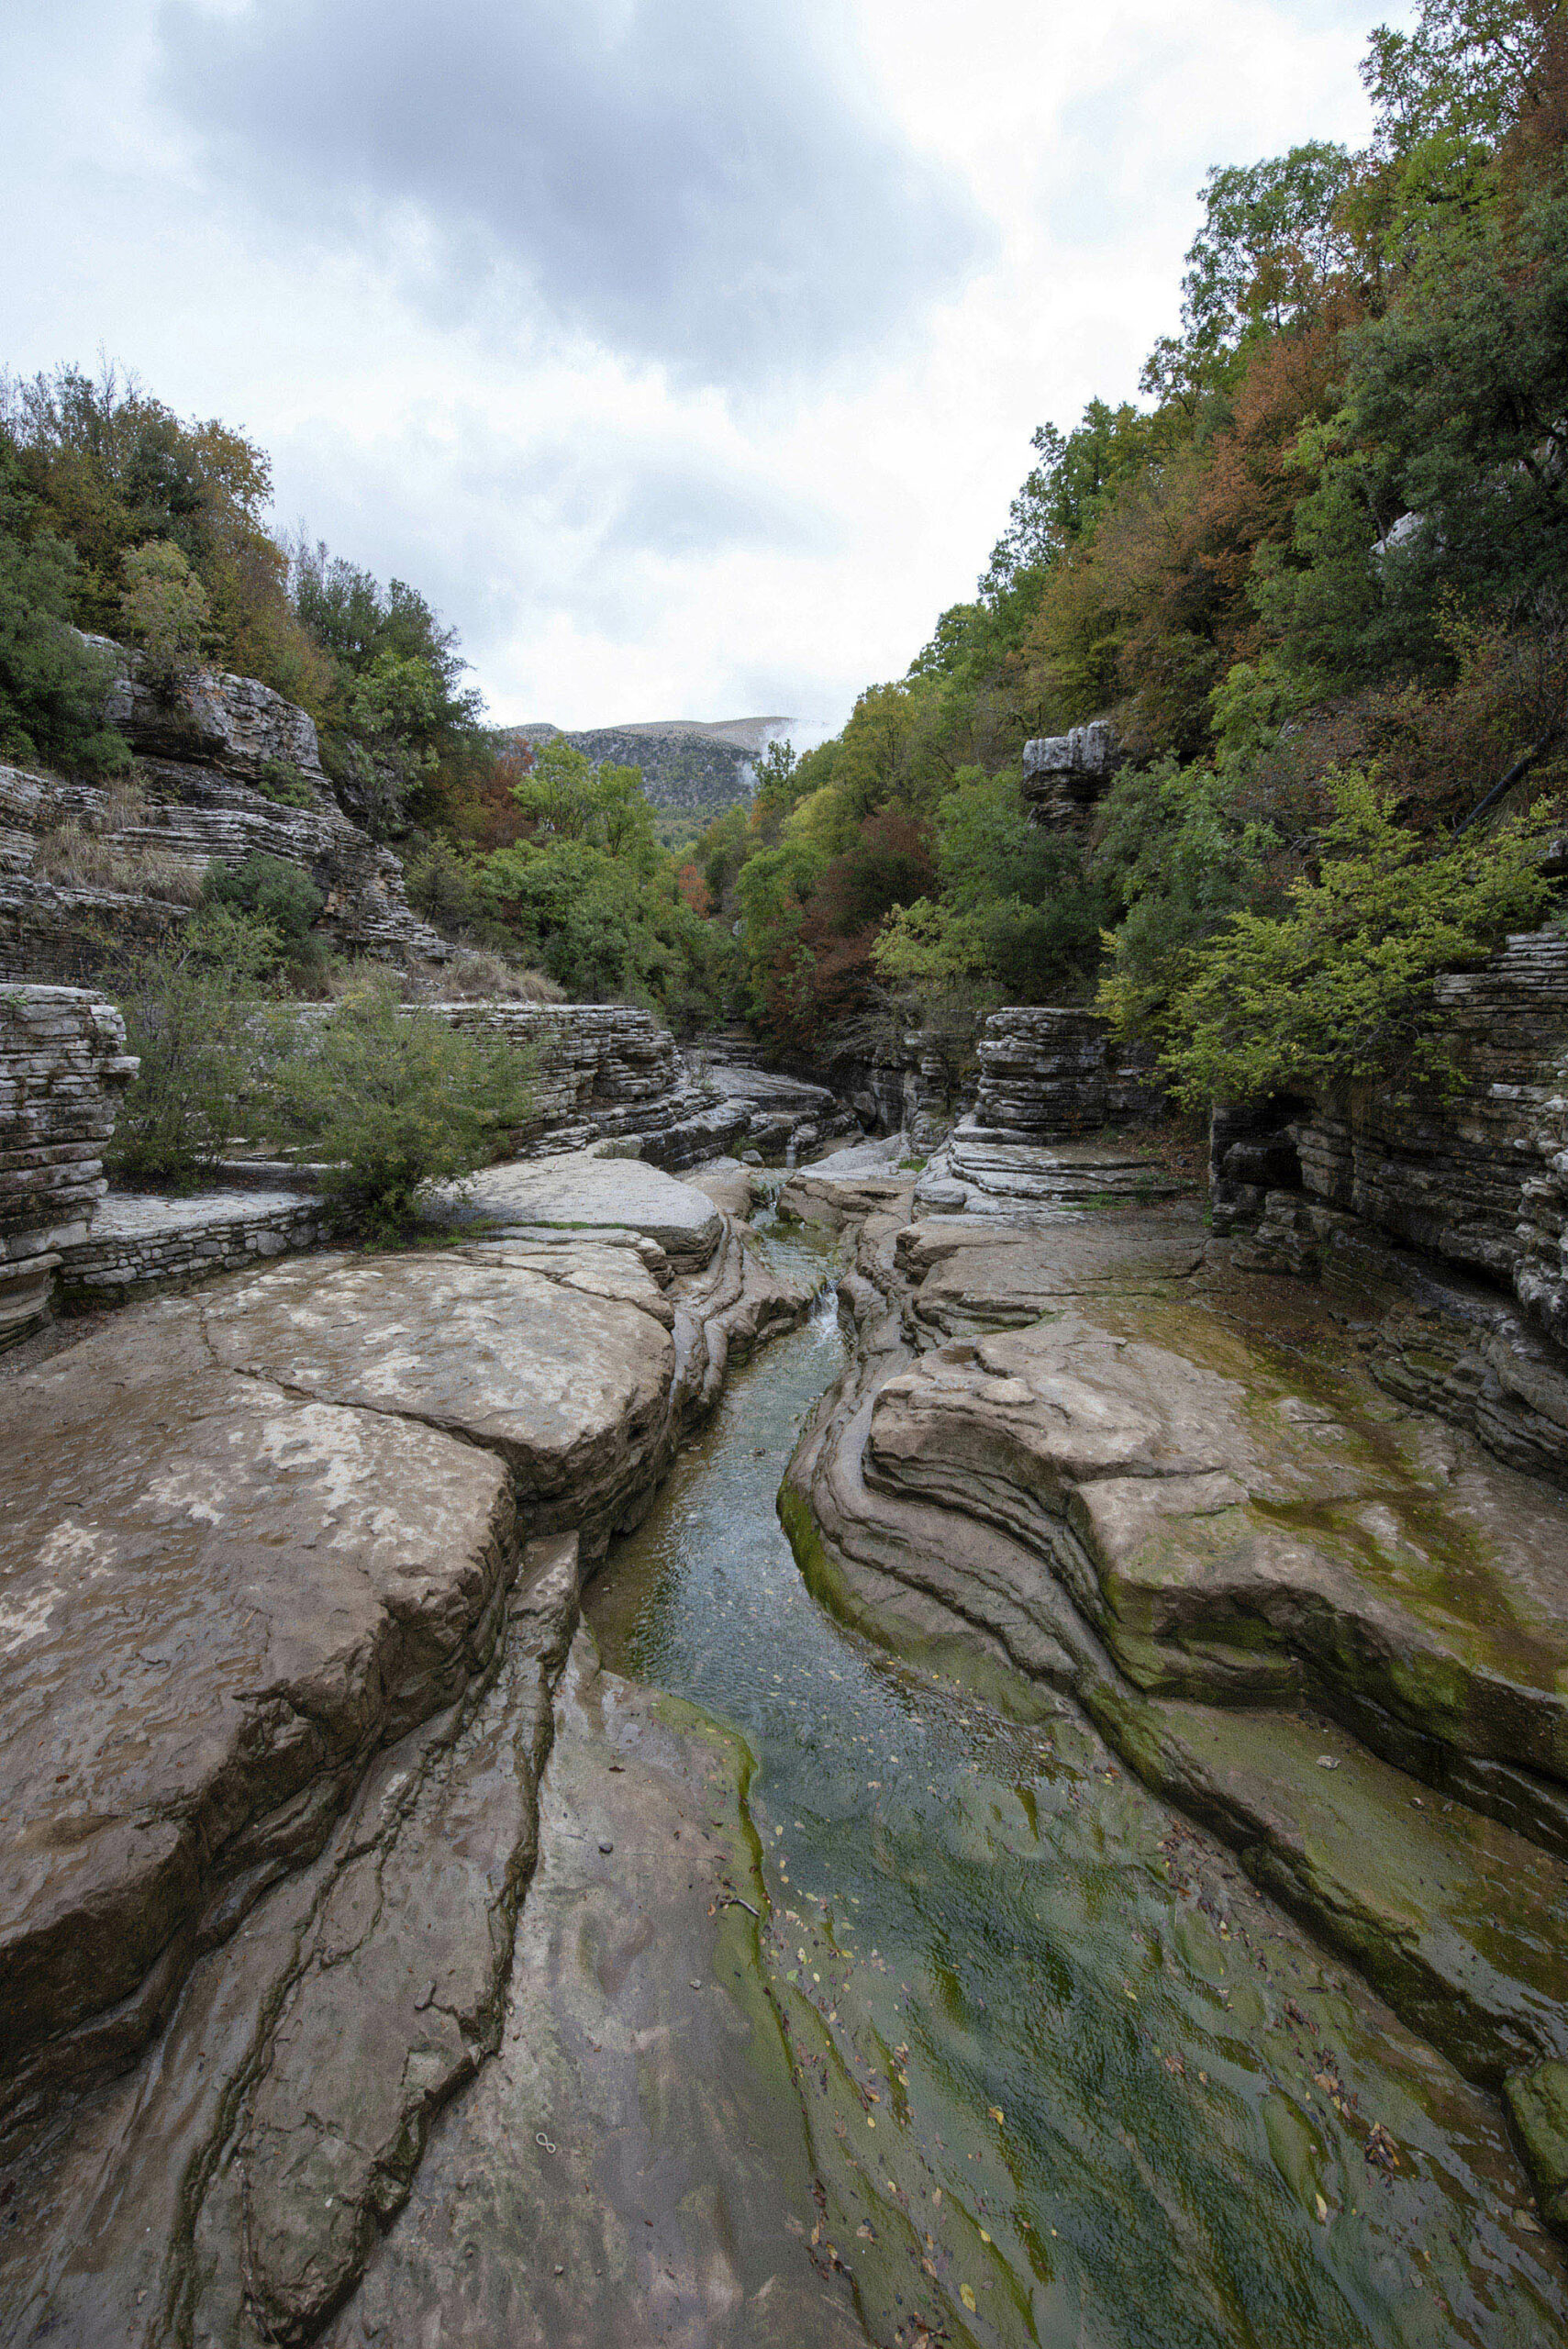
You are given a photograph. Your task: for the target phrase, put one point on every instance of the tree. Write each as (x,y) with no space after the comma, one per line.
(1336,989)
(193,1006)
(1444,480)
(52,685)
(164,610)
(393,1100)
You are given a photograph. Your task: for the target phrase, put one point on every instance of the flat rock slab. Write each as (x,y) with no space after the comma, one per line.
(567,1386)
(972,1271)
(216,1599)
(632,2167)
(581,1193)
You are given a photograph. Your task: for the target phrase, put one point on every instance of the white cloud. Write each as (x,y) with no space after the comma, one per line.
(624,504)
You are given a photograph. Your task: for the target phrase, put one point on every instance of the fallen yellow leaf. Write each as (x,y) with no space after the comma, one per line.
(995,2112)
(966,2296)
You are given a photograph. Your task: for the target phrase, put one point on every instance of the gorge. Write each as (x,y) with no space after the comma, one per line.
(783,1531)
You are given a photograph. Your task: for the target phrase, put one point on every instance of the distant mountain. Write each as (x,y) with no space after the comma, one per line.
(688,768)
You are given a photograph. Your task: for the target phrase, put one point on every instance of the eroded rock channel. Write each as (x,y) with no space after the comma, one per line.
(1112,1896)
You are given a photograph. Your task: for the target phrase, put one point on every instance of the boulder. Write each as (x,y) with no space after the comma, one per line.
(580,1192)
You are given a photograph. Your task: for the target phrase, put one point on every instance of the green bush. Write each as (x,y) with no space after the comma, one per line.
(277,894)
(164,609)
(52,685)
(281,782)
(1337,991)
(194,1009)
(394,1099)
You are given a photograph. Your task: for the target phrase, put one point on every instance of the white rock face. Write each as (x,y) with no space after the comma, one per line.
(1065,775)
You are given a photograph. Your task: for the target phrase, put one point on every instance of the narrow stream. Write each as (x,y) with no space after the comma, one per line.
(1067,2079)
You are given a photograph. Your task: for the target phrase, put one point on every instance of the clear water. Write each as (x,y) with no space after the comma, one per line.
(1068,2080)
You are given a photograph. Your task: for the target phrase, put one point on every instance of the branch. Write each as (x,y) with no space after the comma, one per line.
(1521,766)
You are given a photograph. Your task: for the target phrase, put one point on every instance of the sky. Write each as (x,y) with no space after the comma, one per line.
(683,353)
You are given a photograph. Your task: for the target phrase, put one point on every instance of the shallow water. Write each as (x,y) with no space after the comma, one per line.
(1068,2079)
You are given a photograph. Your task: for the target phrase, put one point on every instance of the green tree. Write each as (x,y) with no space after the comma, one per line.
(52,685)
(1184,860)
(1336,990)
(193,1008)
(164,610)
(393,1100)
(1444,481)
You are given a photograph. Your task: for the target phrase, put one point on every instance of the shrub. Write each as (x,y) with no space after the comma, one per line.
(193,1010)
(164,607)
(281,780)
(394,1099)
(277,894)
(1338,989)
(476,974)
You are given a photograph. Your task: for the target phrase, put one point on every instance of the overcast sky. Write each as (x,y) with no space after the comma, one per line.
(683,352)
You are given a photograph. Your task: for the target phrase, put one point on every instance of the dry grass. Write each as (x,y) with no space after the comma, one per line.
(74,858)
(475,975)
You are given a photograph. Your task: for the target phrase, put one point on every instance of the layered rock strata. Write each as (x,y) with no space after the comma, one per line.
(1087,1454)
(1066,775)
(610,1072)
(982,1174)
(1449,1207)
(288,1572)
(1051,1075)
(154,848)
(62,1063)
(212,719)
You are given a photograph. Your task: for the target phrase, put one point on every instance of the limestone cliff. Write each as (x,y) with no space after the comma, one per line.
(226,769)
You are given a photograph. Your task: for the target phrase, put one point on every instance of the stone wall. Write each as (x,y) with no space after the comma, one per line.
(136,1244)
(63,1061)
(1051,1074)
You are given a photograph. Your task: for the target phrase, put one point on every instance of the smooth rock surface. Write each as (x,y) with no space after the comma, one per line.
(216,1599)
(1139,1497)
(581,1193)
(566,1385)
(625,2169)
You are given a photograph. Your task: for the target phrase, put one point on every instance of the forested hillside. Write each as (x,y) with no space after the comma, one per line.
(687,771)
(1314,574)
(1317,574)
(118,519)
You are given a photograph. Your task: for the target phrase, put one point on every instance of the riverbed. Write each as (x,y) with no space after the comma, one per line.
(1066,2076)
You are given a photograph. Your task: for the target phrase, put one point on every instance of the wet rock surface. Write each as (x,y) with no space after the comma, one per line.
(1091,1452)
(288,1572)
(626,2169)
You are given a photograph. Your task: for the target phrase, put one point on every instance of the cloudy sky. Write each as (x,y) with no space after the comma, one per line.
(685,353)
